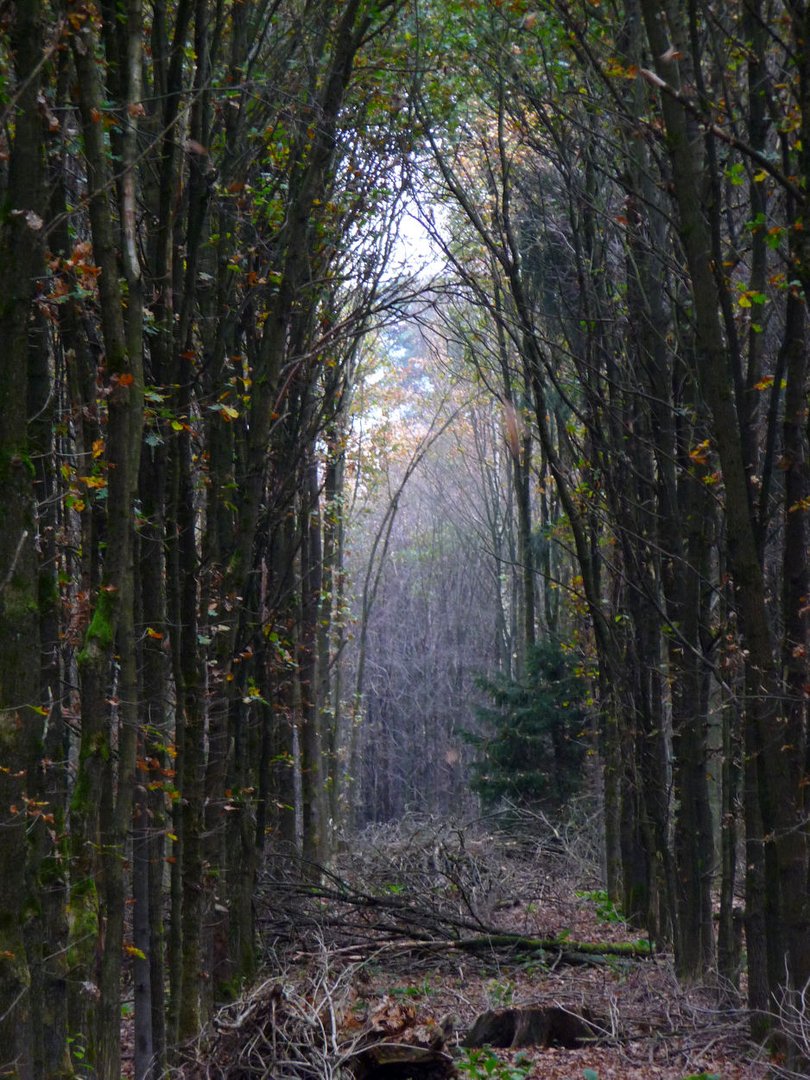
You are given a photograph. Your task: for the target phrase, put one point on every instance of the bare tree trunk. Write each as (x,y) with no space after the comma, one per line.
(311,750)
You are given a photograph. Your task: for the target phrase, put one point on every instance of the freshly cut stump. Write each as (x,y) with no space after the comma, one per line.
(532,1026)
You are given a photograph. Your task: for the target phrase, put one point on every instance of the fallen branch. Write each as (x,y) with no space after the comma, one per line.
(403,910)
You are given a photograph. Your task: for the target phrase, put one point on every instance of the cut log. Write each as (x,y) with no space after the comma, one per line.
(392,1061)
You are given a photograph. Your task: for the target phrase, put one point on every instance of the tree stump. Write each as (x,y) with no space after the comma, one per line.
(532,1026)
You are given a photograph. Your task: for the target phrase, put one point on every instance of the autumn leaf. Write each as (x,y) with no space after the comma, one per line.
(700,453)
(511,424)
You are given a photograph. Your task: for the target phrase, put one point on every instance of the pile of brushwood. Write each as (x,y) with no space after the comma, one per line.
(431,950)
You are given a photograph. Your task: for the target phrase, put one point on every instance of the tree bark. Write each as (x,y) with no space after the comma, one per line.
(21,724)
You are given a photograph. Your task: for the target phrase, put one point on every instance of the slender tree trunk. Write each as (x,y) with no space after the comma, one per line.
(95,762)
(729,951)
(311,749)
(20,722)
(191,761)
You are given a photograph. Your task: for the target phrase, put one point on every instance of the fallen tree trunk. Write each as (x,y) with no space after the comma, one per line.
(570,952)
(552,951)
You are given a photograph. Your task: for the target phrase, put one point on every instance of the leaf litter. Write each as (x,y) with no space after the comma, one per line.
(376,953)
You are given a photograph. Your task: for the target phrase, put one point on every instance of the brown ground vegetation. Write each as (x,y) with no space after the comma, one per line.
(371,980)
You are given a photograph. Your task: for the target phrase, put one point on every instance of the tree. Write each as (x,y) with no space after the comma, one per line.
(535,739)
(22,712)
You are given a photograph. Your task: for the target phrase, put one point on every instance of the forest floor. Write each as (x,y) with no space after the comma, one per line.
(407,941)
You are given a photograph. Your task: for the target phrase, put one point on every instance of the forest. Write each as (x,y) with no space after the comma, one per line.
(403,423)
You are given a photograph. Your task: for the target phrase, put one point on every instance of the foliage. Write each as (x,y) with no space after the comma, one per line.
(605,908)
(484,1064)
(500,993)
(534,743)
(416,992)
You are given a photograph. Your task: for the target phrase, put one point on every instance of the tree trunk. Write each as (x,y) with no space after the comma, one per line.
(21,721)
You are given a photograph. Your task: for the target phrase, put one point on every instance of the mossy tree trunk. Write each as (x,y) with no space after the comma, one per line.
(21,722)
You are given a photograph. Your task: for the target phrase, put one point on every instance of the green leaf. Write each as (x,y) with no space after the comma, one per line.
(736,174)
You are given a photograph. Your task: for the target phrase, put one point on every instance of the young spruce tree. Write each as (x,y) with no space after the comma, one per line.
(533,741)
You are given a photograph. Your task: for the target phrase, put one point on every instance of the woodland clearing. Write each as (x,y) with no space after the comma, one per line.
(378,954)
